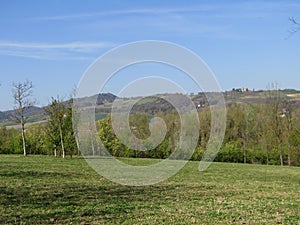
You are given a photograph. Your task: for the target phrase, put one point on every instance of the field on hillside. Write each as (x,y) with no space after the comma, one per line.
(48,190)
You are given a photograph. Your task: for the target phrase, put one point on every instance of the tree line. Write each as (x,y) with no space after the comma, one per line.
(255,133)
(53,138)
(56,137)
(259,134)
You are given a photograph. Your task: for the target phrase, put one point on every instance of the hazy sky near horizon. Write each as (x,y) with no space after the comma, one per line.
(52,43)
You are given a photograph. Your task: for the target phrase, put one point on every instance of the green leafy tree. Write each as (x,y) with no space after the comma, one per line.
(68,134)
(110,140)
(57,114)
(36,139)
(10,141)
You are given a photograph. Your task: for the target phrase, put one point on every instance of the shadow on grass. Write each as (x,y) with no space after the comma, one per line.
(34,174)
(58,201)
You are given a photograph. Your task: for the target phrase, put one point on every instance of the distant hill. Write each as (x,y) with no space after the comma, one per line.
(29,112)
(3,116)
(36,114)
(33,114)
(152,105)
(105,98)
(290,91)
(101,99)
(32,111)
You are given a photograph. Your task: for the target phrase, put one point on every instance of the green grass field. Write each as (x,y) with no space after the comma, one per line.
(48,190)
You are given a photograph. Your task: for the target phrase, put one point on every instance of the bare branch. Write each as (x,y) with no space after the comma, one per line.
(22,93)
(296,27)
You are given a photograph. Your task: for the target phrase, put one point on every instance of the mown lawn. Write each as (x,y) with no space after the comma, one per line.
(48,190)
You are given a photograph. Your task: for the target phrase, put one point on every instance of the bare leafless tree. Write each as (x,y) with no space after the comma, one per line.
(22,94)
(275,101)
(75,117)
(296,27)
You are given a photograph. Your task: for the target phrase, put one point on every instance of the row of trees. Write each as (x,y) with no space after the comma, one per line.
(264,134)
(55,137)
(256,133)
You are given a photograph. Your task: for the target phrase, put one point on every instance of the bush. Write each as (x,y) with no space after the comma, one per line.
(231,152)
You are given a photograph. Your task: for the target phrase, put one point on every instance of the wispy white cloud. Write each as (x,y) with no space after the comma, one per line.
(19,54)
(50,51)
(216,20)
(74,46)
(142,11)
(214,9)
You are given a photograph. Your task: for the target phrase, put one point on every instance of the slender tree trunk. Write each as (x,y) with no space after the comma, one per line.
(281,155)
(92,138)
(288,141)
(55,151)
(93,147)
(245,155)
(267,153)
(289,154)
(62,142)
(77,144)
(245,150)
(23,137)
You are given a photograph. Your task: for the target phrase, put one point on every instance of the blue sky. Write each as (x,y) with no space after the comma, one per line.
(52,43)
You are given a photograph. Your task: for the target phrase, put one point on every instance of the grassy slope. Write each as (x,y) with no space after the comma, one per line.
(45,190)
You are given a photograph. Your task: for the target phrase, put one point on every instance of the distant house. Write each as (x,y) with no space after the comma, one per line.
(201,104)
(245,89)
(240,90)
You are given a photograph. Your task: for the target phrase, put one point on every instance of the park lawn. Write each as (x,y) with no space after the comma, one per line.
(48,190)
